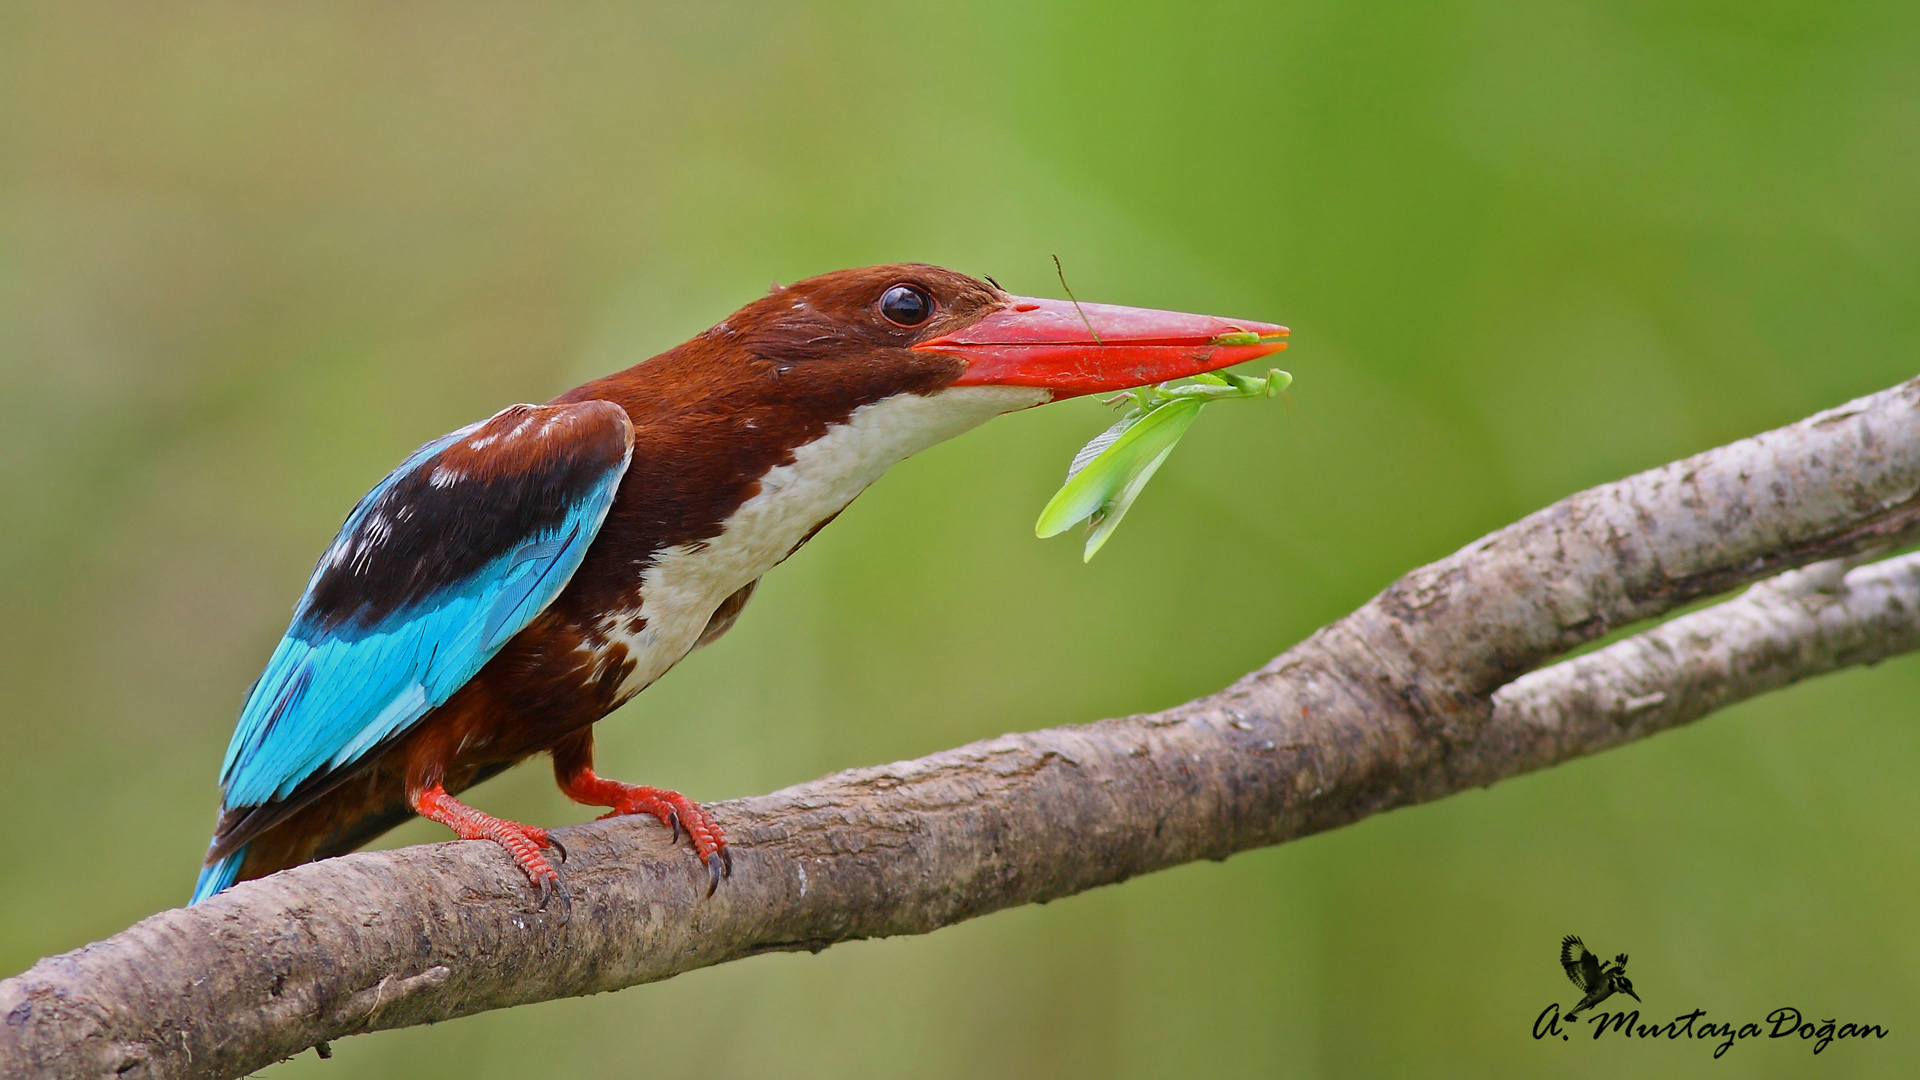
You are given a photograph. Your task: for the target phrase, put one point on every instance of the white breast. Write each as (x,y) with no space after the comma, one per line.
(684,584)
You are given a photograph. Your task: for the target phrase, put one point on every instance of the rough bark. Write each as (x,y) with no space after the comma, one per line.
(1803,623)
(1422,692)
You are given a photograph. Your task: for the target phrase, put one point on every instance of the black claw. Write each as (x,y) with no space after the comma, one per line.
(713,875)
(726,860)
(551,887)
(673,822)
(558,846)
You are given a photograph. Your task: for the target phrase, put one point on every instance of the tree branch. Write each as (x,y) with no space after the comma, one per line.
(1429,688)
(1792,627)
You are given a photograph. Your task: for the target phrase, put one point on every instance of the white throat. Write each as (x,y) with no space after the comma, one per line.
(685,583)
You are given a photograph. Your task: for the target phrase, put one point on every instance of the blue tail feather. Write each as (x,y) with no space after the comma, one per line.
(218,876)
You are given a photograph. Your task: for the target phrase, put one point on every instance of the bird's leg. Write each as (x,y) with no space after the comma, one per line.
(523,842)
(573,770)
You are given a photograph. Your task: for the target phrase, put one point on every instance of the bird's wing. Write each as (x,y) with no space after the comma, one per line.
(1575,959)
(436,568)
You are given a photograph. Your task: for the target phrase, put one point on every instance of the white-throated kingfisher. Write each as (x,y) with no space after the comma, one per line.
(513,582)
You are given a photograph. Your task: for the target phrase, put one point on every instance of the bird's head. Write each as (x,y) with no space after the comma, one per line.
(1625,986)
(855,337)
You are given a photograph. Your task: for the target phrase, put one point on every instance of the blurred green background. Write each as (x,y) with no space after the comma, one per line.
(251,255)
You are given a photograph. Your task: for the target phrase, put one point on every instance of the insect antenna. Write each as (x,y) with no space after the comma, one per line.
(1076,303)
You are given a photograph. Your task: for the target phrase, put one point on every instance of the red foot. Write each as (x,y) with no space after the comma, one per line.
(523,842)
(675,811)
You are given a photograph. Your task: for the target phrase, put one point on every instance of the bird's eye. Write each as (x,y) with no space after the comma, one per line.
(906,305)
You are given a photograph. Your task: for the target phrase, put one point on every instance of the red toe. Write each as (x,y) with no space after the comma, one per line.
(574,771)
(677,812)
(522,842)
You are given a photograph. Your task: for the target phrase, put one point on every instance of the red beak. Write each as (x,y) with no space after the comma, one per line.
(1075,349)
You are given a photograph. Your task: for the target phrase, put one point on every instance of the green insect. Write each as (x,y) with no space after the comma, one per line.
(1111,471)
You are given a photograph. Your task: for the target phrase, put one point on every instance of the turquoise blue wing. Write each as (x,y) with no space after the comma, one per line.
(447,558)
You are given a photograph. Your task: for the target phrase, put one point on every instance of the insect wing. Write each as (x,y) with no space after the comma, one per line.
(1108,519)
(1115,475)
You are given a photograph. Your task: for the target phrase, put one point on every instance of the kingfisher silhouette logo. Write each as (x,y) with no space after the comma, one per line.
(1599,982)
